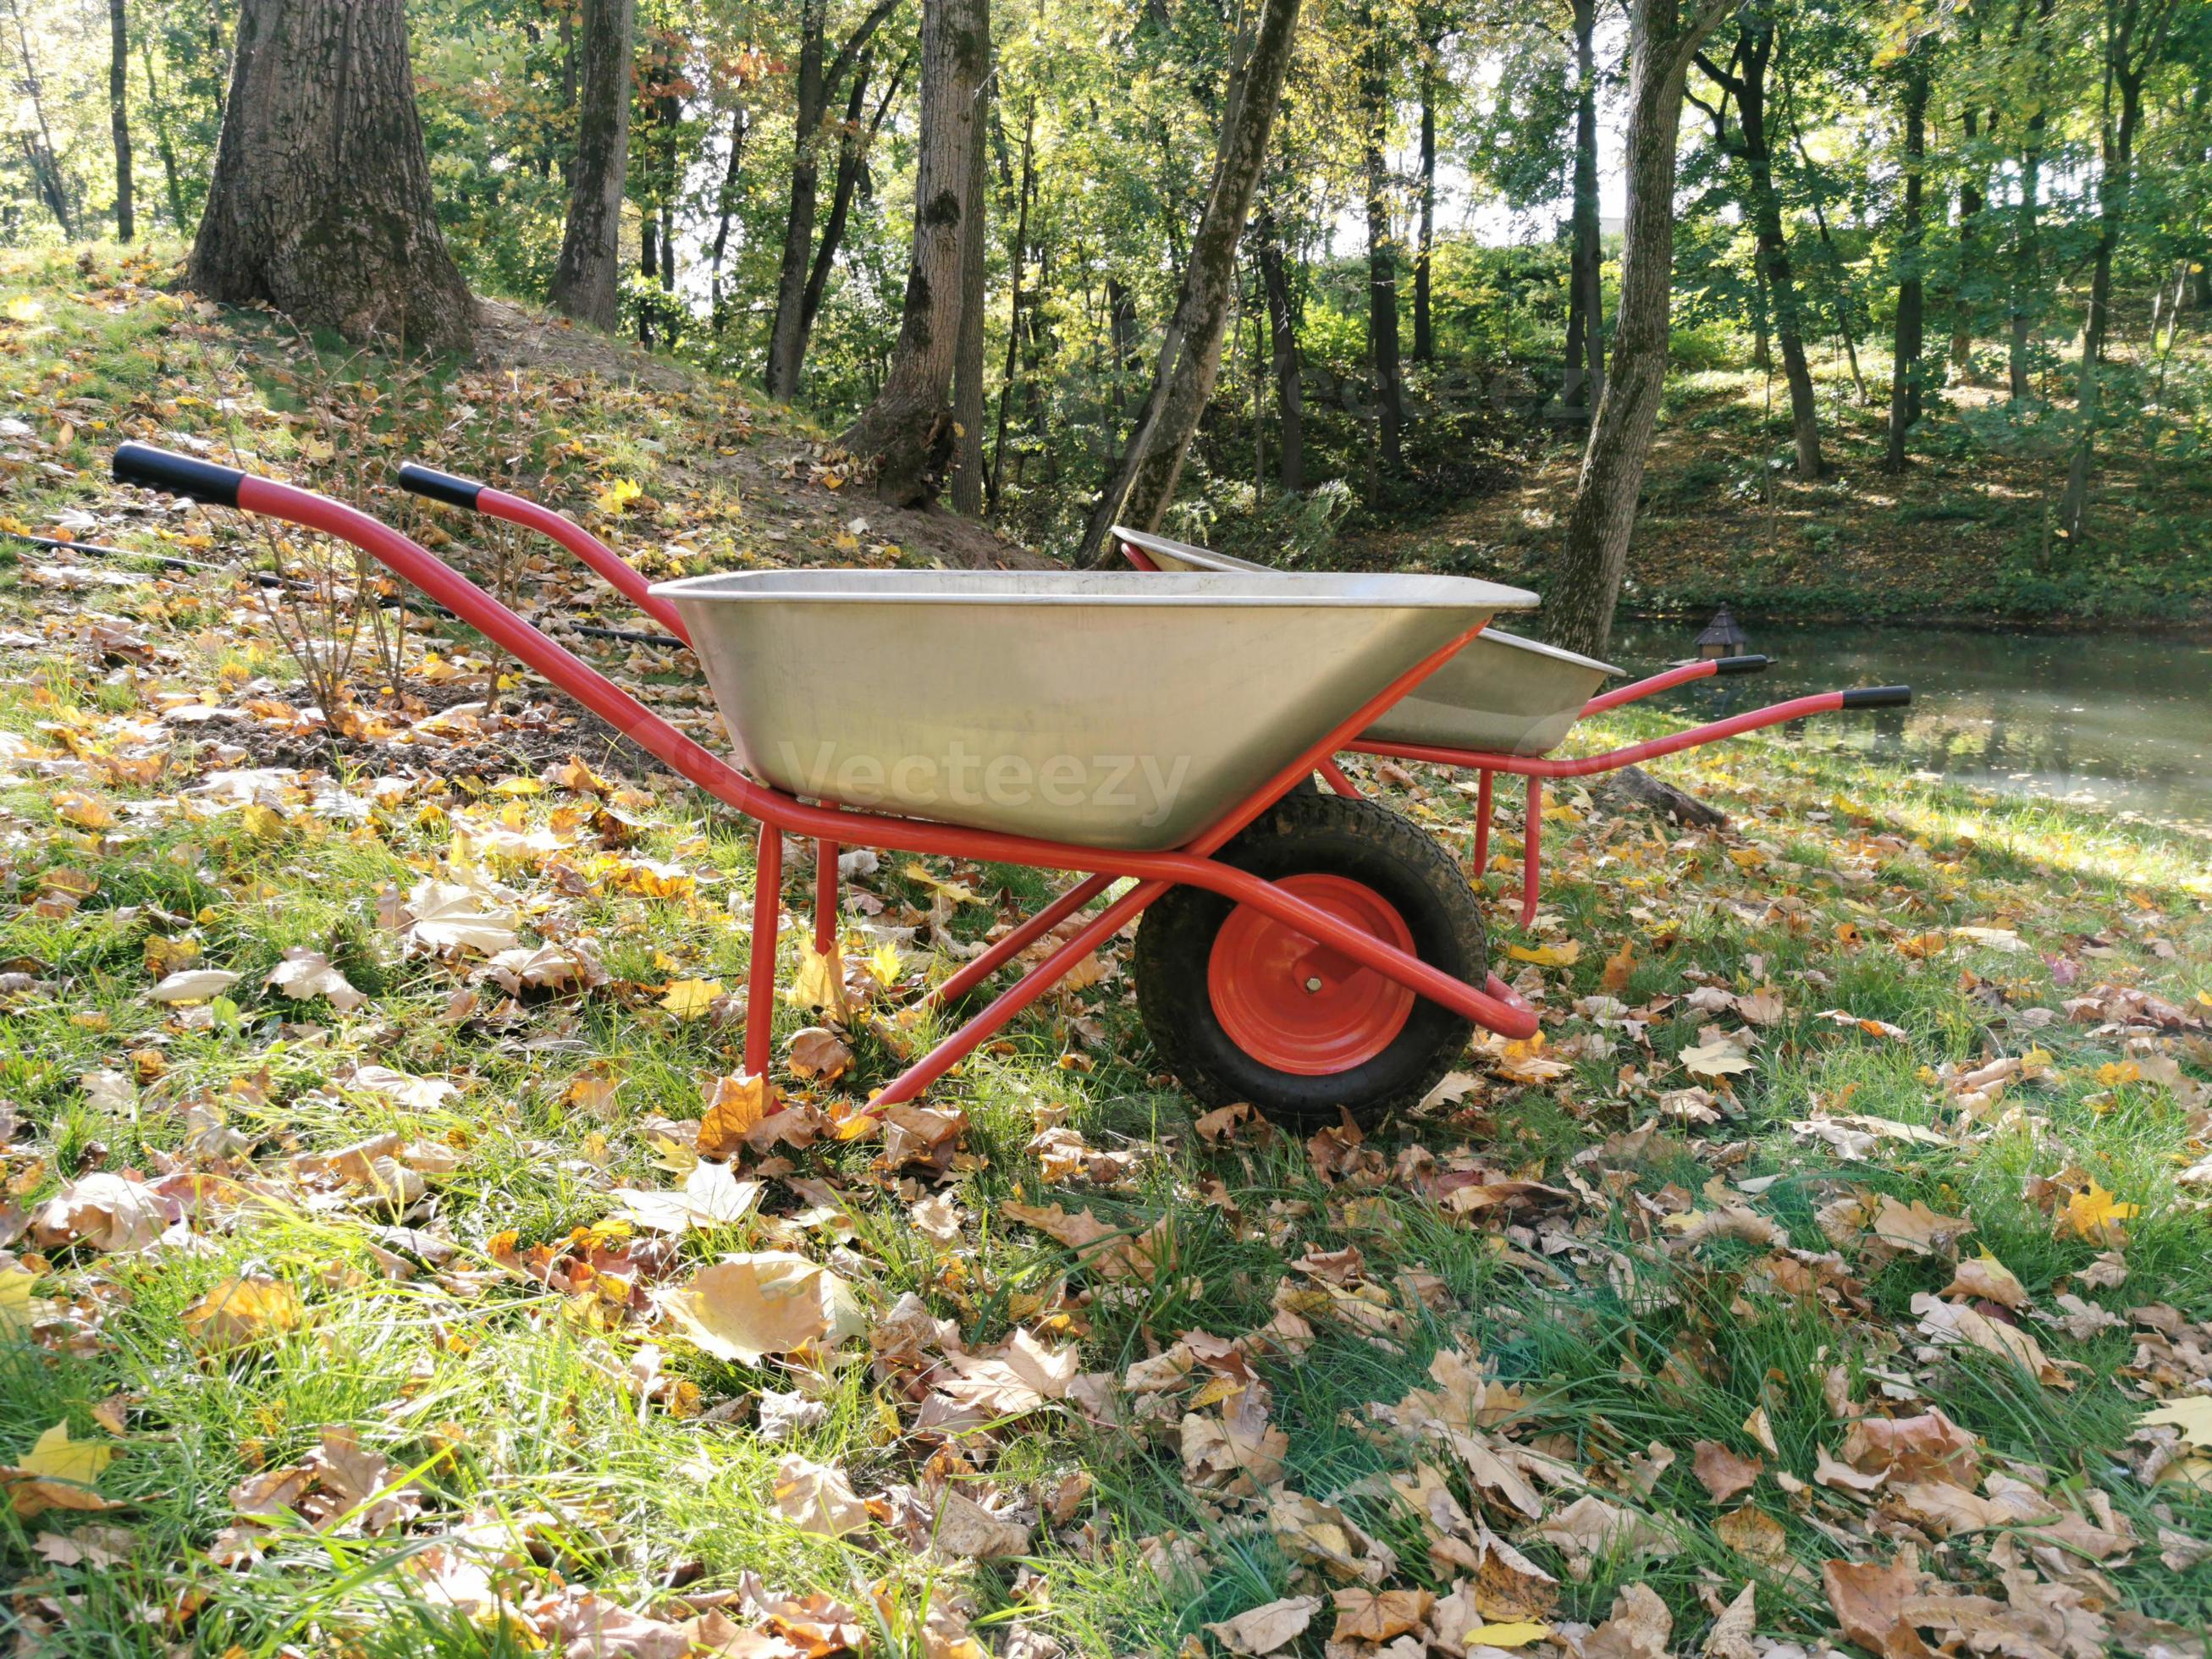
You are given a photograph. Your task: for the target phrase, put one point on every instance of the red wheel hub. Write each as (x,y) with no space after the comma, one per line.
(1298,1006)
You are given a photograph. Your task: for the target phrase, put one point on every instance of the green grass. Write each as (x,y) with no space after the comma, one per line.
(511,1402)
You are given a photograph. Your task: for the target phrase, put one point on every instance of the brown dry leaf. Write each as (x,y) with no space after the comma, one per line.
(963,1527)
(1987,1277)
(244,1310)
(1263,1630)
(816,1497)
(1019,1375)
(1368,1615)
(937,1218)
(770,1302)
(712,1196)
(1949,1322)
(1730,1637)
(107,1211)
(1916,1228)
(442,916)
(736,1105)
(1113,1251)
(1828,1471)
(818,1051)
(1927,1446)
(1640,1627)
(1325,1537)
(1751,1531)
(1869,1598)
(1722,1473)
(1590,1528)
(1213,1127)
(1239,1451)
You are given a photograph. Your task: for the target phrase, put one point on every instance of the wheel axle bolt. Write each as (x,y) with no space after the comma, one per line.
(1313,982)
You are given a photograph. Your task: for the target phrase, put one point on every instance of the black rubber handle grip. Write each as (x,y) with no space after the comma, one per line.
(446,487)
(1750,665)
(177,475)
(1878,696)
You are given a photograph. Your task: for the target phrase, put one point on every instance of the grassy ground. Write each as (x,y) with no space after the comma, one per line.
(1966,533)
(1888,1102)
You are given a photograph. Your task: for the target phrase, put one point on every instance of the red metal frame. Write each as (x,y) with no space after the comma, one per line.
(1495,1006)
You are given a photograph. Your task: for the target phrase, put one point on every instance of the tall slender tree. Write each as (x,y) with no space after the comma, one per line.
(1190,352)
(583,279)
(1383,366)
(118,117)
(320,202)
(1584,379)
(1904,358)
(1662,36)
(1283,348)
(905,435)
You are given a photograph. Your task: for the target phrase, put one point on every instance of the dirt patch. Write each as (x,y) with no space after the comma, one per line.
(775,471)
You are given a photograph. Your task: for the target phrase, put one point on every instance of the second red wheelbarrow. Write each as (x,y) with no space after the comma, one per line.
(1298,950)
(1502,704)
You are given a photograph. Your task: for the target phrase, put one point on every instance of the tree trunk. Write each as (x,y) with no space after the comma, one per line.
(1754,49)
(725,203)
(2028,251)
(1191,354)
(1904,360)
(118,117)
(46,167)
(1971,201)
(853,150)
(968,358)
(1122,336)
(1584,381)
(584,283)
(1283,338)
(2134,34)
(1016,255)
(320,202)
(1425,342)
(1662,36)
(1381,246)
(162,142)
(905,435)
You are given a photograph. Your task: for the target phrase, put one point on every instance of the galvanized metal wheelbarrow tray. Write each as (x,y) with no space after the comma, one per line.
(1369,641)
(1503,703)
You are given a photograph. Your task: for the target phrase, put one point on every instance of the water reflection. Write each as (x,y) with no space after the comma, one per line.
(2107,717)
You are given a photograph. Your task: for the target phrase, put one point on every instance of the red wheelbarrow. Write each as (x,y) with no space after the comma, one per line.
(1299,951)
(1503,703)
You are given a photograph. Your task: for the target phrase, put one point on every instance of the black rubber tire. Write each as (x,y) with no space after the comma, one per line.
(1314,833)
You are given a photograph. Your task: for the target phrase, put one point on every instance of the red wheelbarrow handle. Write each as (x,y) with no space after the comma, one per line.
(453,490)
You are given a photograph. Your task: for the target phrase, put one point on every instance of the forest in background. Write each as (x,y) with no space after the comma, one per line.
(1969,239)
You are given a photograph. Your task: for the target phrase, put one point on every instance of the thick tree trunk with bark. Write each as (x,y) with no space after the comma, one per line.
(1755,45)
(1382,248)
(1584,380)
(1662,36)
(1905,359)
(1190,355)
(118,117)
(905,437)
(1283,342)
(816,87)
(320,202)
(584,281)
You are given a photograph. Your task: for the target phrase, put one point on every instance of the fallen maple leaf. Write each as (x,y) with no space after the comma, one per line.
(818,1051)
(244,1310)
(736,1105)
(193,985)
(57,1473)
(1722,1473)
(691,998)
(712,1196)
(2096,1215)
(1987,1277)
(305,973)
(1368,1615)
(770,1302)
(816,1497)
(1949,1322)
(1719,1057)
(1259,1630)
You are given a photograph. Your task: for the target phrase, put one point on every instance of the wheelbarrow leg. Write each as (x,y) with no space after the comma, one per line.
(1333,775)
(760,978)
(825,898)
(1018,940)
(1532,849)
(1482,791)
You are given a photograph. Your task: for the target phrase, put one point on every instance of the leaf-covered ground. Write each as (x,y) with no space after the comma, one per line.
(395,1260)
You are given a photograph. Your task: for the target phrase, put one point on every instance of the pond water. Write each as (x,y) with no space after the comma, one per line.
(2115,719)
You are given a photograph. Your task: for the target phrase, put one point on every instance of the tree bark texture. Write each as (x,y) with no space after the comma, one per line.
(583,279)
(118,117)
(905,435)
(1191,354)
(1662,36)
(1382,248)
(1584,379)
(320,202)
(1282,341)
(1905,359)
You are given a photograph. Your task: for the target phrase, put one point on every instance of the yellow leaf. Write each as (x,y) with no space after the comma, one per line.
(820,981)
(1617,966)
(618,495)
(518,787)
(55,1456)
(691,998)
(262,823)
(1519,1633)
(1563,955)
(1715,1059)
(734,1104)
(884,963)
(768,1301)
(2192,1415)
(15,1299)
(2095,1214)
(24,309)
(86,811)
(242,1310)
